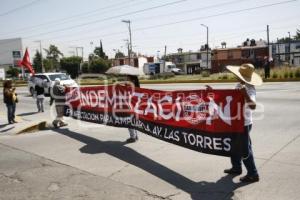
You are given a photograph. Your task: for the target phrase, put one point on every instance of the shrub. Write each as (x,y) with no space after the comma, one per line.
(205,74)
(286,74)
(162,76)
(275,75)
(225,77)
(85,68)
(297,73)
(291,74)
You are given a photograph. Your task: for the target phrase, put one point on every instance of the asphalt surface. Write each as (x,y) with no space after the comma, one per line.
(40,165)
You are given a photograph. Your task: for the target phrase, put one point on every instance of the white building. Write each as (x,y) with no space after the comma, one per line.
(11,52)
(191,62)
(286,53)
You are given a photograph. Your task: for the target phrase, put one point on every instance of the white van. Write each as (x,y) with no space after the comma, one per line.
(50,78)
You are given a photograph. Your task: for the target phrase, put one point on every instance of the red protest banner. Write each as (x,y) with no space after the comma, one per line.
(206,121)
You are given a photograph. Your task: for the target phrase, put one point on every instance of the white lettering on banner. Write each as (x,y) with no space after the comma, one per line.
(162,111)
(151,108)
(205,142)
(136,108)
(190,139)
(215,110)
(164,108)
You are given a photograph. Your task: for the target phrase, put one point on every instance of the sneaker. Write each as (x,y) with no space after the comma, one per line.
(131,140)
(249,179)
(233,171)
(63,124)
(54,124)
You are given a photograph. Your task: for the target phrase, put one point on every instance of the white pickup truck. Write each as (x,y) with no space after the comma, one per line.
(161,67)
(50,78)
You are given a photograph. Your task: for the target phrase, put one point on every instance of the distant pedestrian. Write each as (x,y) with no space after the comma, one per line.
(40,95)
(266,67)
(132,132)
(58,96)
(248,79)
(10,99)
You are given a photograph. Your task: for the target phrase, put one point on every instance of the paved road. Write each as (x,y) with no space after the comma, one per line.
(152,169)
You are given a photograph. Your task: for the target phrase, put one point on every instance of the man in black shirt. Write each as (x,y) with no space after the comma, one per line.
(39,92)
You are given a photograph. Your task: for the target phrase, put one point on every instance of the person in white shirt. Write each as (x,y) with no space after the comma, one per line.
(248,79)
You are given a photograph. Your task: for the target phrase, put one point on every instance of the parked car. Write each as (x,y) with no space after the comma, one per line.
(50,78)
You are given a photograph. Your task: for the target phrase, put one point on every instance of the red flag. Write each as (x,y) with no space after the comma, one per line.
(26,62)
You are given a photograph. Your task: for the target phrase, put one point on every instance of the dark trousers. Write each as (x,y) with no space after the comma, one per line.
(248,160)
(11,109)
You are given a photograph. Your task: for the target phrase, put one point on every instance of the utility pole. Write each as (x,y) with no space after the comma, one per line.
(130,38)
(206,44)
(165,56)
(268,51)
(128,48)
(289,48)
(278,51)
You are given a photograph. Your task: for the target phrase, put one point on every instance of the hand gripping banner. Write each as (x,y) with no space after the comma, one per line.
(208,121)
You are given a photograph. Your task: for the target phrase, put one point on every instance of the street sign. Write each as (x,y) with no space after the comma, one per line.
(16,54)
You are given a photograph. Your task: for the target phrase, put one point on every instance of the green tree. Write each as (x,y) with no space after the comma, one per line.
(53,54)
(37,62)
(13,72)
(71,65)
(85,68)
(99,65)
(99,52)
(119,54)
(287,39)
(297,36)
(47,65)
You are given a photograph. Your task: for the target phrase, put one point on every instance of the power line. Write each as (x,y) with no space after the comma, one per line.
(73,17)
(216,15)
(174,13)
(108,18)
(18,8)
(189,20)
(193,10)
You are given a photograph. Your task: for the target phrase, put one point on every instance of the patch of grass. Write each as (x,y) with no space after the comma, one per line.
(205,74)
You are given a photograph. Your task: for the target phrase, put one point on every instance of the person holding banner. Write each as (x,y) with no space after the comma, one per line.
(132,132)
(248,79)
(58,95)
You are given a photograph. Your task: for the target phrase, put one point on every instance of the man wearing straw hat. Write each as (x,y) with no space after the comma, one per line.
(248,79)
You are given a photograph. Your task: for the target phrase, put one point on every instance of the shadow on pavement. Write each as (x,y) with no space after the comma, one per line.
(26,114)
(222,189)
(3,125)
(5,130)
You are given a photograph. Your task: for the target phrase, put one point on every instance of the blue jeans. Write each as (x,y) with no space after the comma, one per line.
(11,108)
(248,161)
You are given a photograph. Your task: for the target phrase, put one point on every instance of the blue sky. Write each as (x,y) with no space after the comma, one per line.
(155,23)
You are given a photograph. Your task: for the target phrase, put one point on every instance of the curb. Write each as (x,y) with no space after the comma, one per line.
(32,128)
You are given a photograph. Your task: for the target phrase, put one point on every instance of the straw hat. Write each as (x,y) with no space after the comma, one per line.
(246,73)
